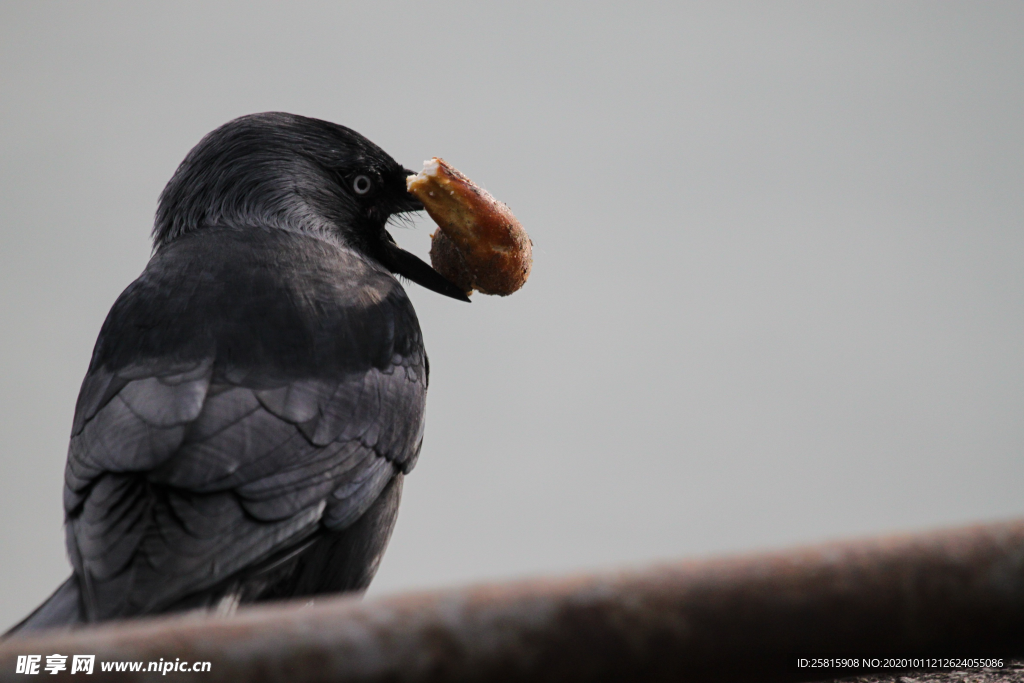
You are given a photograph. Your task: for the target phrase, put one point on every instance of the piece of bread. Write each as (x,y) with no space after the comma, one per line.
(479,244)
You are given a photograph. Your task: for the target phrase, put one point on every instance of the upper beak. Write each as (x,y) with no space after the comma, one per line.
(408,202)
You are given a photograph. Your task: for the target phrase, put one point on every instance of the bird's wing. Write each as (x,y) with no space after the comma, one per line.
(182,474)
(175,483)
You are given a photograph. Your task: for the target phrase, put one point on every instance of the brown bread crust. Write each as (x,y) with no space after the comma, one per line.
(480,245)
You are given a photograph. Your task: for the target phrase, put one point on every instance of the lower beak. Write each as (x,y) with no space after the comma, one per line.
(403,263)
(409,203)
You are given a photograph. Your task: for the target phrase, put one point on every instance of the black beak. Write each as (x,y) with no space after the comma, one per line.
(409,203)
(401,262)
(406,201)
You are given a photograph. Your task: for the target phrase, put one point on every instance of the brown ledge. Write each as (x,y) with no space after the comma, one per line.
(744,618)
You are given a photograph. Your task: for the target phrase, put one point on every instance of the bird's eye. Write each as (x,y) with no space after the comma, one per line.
(361,184)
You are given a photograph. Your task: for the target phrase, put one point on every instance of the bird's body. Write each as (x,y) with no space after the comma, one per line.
(256,397)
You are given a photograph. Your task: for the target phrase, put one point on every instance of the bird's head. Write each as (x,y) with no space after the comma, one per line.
(288,172)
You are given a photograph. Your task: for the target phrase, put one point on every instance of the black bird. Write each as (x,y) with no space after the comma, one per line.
(256,397)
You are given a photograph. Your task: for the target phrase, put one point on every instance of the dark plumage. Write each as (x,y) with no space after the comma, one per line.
(256,397)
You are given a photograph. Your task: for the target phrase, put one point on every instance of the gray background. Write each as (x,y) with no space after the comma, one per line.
(777,291)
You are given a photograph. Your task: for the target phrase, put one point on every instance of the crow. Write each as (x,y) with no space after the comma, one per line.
(256,397)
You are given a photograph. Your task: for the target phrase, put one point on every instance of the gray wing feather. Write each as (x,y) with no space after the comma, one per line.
(351,500)
(111,526)
(162,404)
(187,544)
(174,484)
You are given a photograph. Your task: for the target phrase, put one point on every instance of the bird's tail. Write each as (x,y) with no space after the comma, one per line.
(63,608)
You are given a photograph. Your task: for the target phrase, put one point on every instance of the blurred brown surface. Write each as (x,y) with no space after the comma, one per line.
(743,618)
